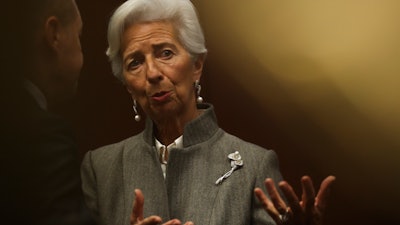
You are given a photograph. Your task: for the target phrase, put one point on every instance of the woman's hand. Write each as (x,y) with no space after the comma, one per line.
(137,214)
(309,210)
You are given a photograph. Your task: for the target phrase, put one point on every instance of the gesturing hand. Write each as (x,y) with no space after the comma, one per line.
(309,210)
(137,214)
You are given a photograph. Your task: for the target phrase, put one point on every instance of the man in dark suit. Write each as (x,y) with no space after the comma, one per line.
(41,62)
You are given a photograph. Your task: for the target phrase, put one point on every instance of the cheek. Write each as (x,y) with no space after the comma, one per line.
(79,61)
(185,91)
(77,64)
(182,72)
(135,86)
(74,55)
(71,65)
(186,77)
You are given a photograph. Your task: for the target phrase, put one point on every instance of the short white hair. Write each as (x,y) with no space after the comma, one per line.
(181,13)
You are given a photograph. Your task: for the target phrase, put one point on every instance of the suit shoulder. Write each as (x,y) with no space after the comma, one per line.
(239,143)
(252,151)
(113,150)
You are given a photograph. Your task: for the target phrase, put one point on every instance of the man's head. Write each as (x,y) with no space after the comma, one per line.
(54,49)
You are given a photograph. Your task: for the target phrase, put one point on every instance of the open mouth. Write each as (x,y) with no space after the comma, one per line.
(161,96)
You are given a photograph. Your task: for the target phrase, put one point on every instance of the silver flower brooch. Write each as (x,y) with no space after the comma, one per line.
(236,162)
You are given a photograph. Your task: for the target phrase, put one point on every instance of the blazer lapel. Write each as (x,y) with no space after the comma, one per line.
(191,176)
(147,177)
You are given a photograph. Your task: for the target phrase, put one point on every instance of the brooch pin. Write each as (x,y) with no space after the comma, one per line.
(236,162)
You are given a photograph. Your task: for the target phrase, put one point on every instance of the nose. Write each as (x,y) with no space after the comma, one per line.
(153,71)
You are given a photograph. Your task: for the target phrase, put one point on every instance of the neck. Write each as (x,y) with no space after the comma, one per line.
(169,129)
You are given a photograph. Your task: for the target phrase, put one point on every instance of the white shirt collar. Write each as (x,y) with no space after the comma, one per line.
(178,143)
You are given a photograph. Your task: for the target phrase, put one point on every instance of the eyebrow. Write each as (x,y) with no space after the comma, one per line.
(156,46)
(164,44)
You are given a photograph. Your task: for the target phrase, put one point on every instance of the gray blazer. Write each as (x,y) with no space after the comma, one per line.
(189,193)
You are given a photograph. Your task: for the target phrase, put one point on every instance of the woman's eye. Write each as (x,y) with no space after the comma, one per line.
(166,54)
(133,64)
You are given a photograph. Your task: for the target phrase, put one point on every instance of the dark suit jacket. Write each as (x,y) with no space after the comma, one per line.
(189,193)
(40,181)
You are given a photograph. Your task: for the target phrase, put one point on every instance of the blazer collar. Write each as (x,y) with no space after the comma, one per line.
(199,130)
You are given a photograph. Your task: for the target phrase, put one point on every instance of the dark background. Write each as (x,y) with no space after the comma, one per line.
(322,101)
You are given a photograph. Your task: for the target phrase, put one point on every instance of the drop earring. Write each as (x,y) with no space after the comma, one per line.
(137,116)
(197,86)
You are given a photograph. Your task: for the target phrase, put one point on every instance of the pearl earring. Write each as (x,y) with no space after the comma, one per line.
(197,86)
(137,116)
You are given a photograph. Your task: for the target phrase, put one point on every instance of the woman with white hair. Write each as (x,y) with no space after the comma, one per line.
(186,167)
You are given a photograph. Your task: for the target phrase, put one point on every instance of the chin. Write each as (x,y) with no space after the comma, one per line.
(164,111)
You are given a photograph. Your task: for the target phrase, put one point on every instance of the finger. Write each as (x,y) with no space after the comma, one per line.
(189,223)
(151,220)
(173,222)
(267,204)
(321,200)
(292,198)
(276,198)
(308,196)
(137,211)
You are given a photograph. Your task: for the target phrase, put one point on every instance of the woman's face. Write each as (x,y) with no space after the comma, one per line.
(158,71)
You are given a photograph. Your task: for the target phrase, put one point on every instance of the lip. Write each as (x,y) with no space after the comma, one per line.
(161,96)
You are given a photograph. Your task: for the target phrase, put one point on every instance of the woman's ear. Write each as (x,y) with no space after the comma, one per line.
(198,65)
(130,91)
